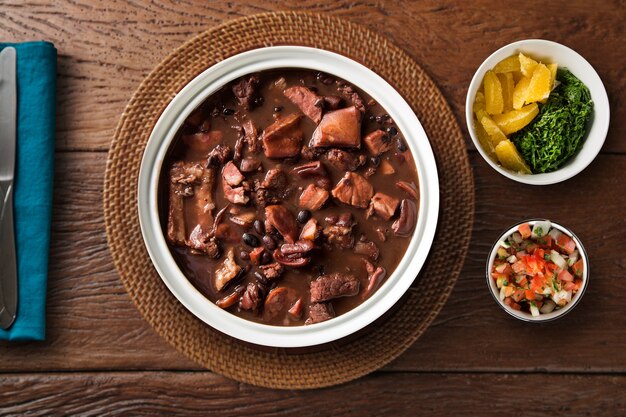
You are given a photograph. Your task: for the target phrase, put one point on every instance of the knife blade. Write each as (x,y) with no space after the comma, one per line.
(8,263)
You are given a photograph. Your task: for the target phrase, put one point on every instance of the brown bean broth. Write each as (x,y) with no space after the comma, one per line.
(199,268)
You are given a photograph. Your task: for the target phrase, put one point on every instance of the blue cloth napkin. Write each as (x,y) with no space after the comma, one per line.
(34,170)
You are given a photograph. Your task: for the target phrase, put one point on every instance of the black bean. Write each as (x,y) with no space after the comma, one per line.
(401,145)
(250,240)
(266,258)
(244,255)
(375,160)
(278,109)
(303,216)
(392,130)
(227,112)
(259,277)
(372,118)
(270,243)
(259,227)
(259,101)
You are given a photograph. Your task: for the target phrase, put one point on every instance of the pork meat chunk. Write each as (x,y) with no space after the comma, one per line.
(227,270)
(313,197)
(338,129)
(245,90)
(377,142)
(281,219)
(384,205)
(283,138)
(353,190)
(319,312)
(328,287)
(307,101)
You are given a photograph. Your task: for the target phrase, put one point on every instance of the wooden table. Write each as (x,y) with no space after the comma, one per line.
(102,357)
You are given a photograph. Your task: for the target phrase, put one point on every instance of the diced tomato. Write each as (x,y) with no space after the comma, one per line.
(569,286)
(520,255)
(518,295)
(566,243)
(538,303)
(504,269)
(534,264)
(530,248)
(508,301)
(540,253)
(523,282)
(565,276)
(551,266)
(529,294)
(524,230)
(538,282)
(577,268)
(519,267)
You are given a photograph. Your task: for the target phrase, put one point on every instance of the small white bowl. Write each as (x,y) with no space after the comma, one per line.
(551,52)
(555,314)
(193,95)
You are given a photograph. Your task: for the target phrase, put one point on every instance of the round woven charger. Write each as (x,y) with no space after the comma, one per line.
(329,364)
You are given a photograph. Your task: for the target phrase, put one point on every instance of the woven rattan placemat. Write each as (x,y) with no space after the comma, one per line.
(324,365)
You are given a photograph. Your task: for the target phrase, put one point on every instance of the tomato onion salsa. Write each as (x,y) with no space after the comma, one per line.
(288,197)
(537,270)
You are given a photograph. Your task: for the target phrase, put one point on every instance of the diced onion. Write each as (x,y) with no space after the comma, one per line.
(562,297)
(534,310)
(511,259)
(517,237)
(555,234)
(541,229)
(558,259)
(505,244)
(573,258)
(547,307)
(502,295)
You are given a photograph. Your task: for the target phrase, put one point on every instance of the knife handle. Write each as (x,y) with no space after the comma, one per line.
(8,266)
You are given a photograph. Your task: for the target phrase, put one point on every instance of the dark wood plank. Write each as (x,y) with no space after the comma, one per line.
(388,394)
(107,48)
(94,325)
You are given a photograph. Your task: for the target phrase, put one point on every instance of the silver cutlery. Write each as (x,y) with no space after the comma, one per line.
(8,265)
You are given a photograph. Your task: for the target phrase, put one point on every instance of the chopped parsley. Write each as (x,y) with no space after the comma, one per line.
(557,133)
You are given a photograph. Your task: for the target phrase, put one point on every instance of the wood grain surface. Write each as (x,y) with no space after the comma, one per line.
(101,357)
(380,394)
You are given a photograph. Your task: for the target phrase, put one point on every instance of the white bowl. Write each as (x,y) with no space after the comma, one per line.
(195,93)
(565,57)
(522,315)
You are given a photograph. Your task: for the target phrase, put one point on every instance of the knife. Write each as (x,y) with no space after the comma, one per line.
(8,265)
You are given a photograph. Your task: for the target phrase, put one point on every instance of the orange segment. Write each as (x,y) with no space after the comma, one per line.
(479,102)
(495,134)
(506,81)
(510,64)
(539,87)
(519,92)
(494,103)
(484,140)
(552,68)
(527,65)
(510,158)
(515,120)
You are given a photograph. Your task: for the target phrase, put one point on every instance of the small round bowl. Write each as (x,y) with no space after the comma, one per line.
(555,314)
(551,52)
(211,80)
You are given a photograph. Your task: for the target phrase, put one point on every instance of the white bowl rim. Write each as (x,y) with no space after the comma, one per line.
(556,314)
(600,123)
(195,93)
